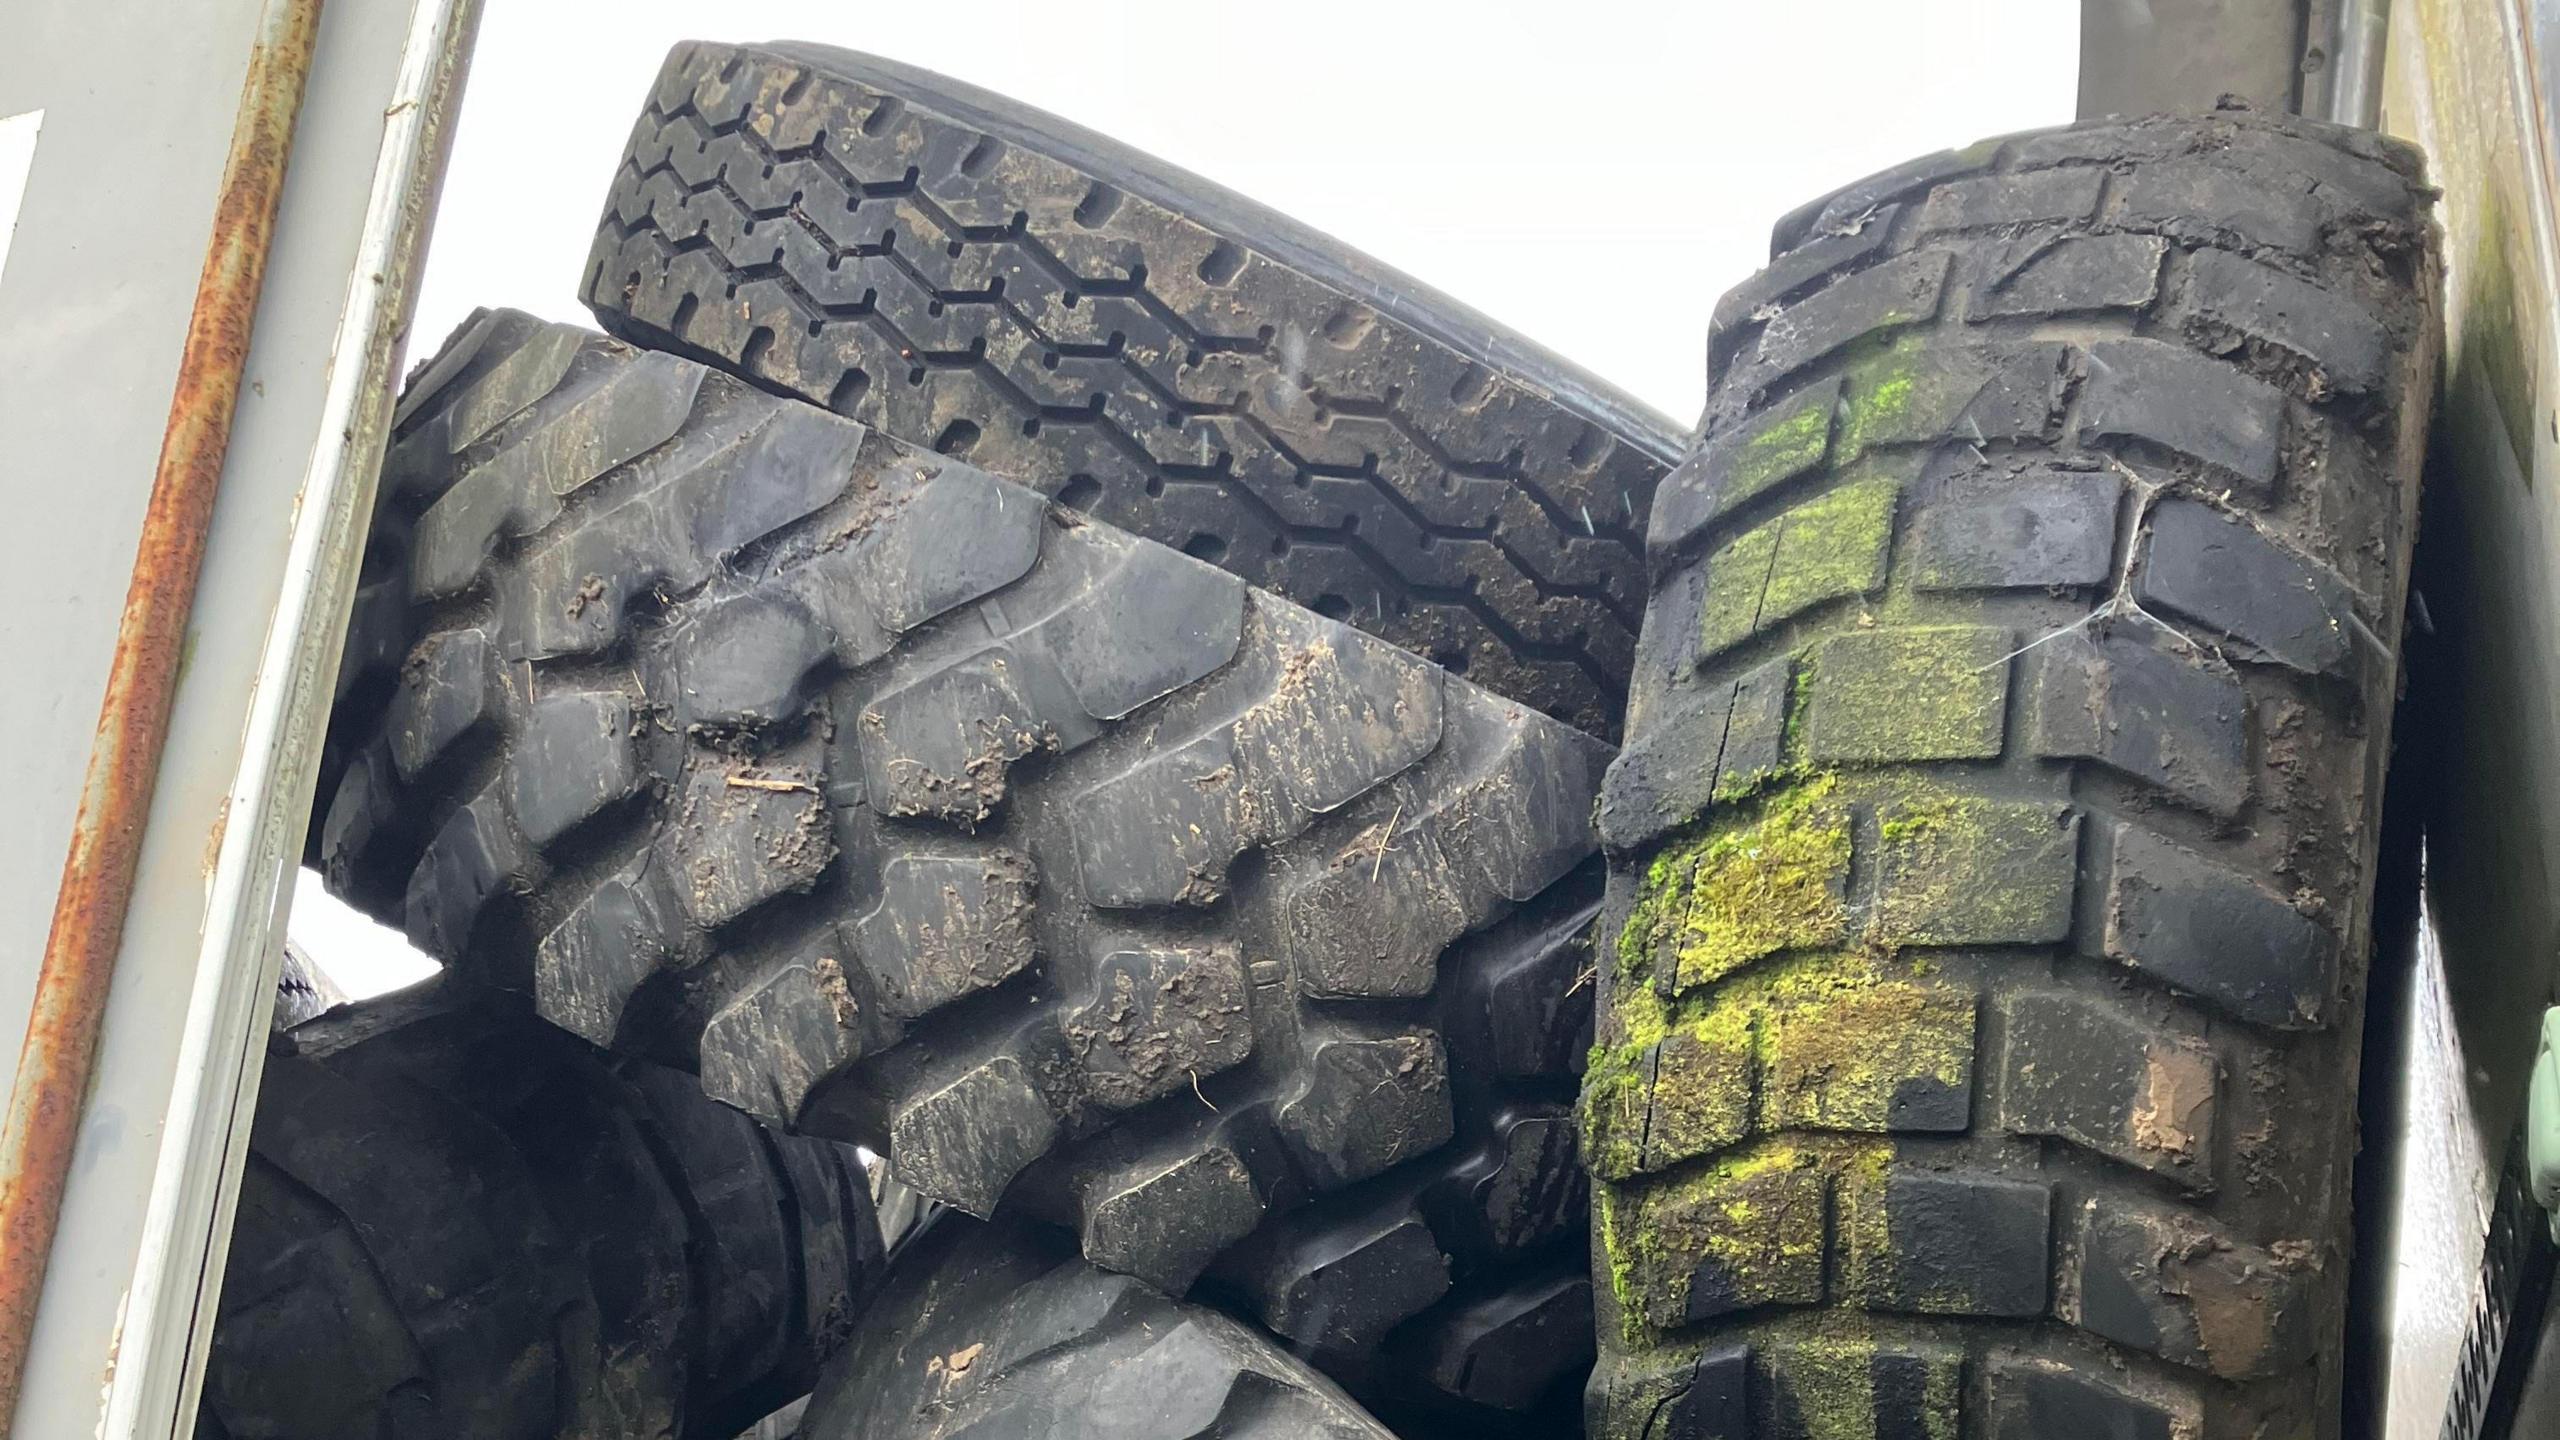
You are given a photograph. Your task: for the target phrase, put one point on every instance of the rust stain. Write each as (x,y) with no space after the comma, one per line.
(54,1064)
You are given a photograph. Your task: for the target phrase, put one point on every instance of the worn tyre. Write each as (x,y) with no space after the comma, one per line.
(1061,868)
(304,991)
(974,275)
(1001,1333)
(1995,840)
(468,1225)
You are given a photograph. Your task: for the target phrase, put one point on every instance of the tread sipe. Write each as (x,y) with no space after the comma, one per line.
(468,1225)
(1000,1333)
(1059,867)
(972,275)
(1992,849)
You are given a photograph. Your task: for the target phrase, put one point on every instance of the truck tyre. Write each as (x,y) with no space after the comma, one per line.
(972,275)
(1001,1333)
(465,1224)
(1993,847)
(1060,868)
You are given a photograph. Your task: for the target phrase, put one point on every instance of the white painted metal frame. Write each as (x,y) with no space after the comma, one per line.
(120,1337)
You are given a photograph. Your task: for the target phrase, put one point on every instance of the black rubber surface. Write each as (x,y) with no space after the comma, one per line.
(1000,1333)
(303,990)
(976,276)
(464,1224)
(1063,869)
(1994,846)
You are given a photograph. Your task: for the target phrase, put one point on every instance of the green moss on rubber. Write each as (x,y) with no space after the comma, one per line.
(1879,396)
(1756,1221)
(1828,547)
(1882,1057)
(1832,1382)
(1937,692)
(1749,887)
(1957,868)
(1794,444)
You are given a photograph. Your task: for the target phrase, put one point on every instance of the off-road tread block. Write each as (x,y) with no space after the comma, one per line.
(1065,870)
(998,1332)
(973,275)
(1991,855)
(461,1222)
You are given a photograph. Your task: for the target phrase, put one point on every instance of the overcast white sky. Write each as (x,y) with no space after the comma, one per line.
(1595,174)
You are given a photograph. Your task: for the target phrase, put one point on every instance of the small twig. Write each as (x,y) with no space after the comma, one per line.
(759,782)
(1380,863)
(2365,633)
(1196,1090)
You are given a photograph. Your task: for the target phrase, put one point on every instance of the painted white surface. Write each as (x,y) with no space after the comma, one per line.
(2442,1208)
(103,267)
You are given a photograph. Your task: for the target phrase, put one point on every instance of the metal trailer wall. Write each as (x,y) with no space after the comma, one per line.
(2472,82)
(131,103)
(2311,57)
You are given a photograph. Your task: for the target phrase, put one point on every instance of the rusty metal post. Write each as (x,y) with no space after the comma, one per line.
(124,761)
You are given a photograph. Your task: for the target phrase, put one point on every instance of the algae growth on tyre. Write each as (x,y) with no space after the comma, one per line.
(1065,870)
(973,275)
(1992,848)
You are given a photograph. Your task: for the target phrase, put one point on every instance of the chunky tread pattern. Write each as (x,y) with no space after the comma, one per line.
(1993,842)
(998,1333)
(992,282)
(468,1224)
(1066,870)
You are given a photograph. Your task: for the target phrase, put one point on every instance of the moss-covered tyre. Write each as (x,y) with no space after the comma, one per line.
(1063,869)
(970,274)
(998,1332)
(463,1223)
(1993,845)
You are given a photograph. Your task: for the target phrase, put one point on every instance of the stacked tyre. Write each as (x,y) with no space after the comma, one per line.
(457,1221)
(1016,658)
(1995,839)
(975,814)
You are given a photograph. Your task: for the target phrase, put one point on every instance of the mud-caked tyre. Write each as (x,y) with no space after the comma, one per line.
(1994,840)
(1064,870)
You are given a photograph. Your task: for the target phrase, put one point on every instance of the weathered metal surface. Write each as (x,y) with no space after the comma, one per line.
(2141,56)
(88,921)
(2459,78)
(2346,83)
(188,1224)
(94,304)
